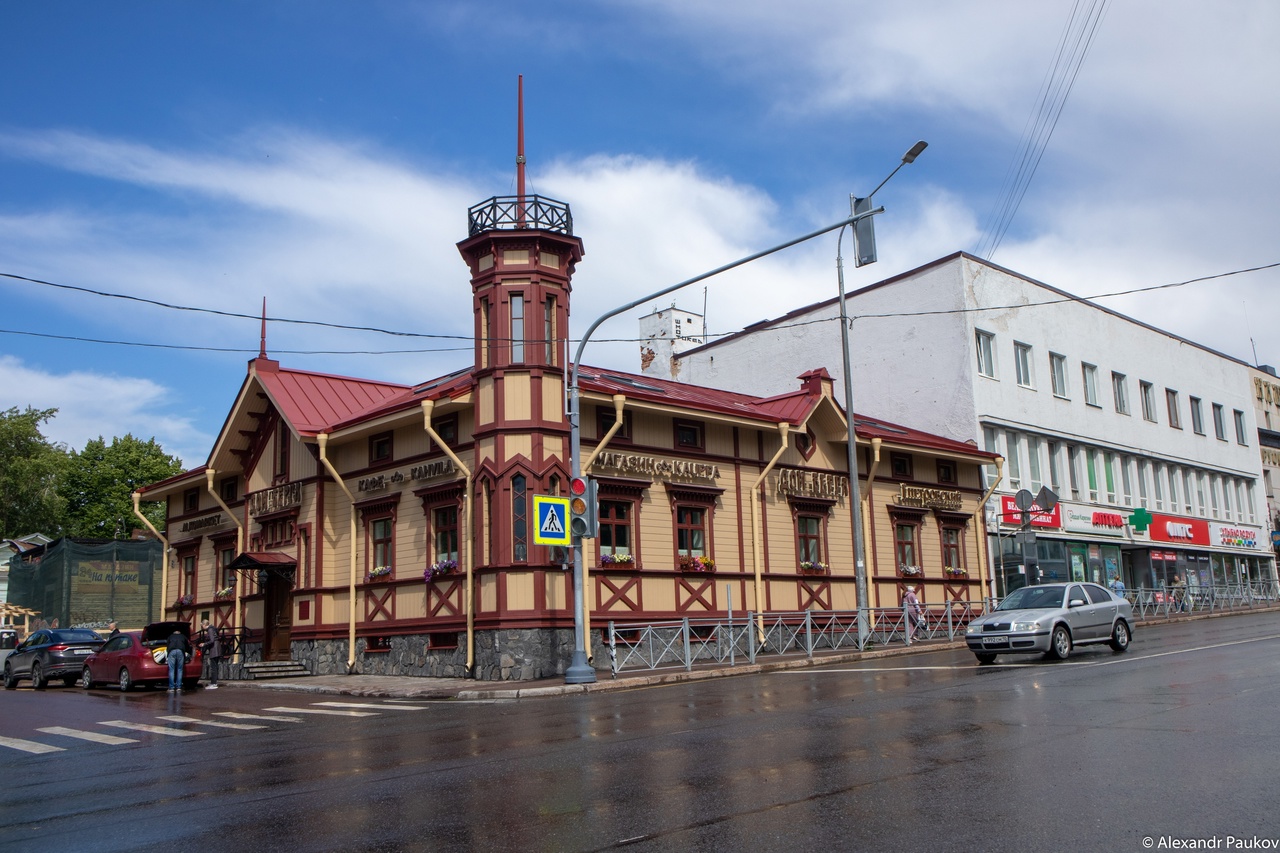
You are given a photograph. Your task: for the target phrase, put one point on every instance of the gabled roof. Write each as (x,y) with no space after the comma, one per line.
(312,402)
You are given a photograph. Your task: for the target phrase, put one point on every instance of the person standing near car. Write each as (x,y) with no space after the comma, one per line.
(211,643)
(176,651)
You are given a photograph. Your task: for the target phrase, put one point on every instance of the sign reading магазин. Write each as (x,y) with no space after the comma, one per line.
(658,469)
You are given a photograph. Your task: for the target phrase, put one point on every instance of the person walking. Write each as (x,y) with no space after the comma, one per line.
(912,611)
(211,643)
(176,651)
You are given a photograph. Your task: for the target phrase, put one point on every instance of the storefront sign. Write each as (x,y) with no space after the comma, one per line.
(429,471)
(1010,514)
(1086,519)
(271,500)
(922,496)
(1234,536)
(1168,556)
(812,484)
(1179,530)
(659,469)
(201,523)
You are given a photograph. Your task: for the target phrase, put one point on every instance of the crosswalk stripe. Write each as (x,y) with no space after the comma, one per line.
(155,730)
(236,715)
(334,712)
(242,726)
(96,737)
(28,745)
(371,705)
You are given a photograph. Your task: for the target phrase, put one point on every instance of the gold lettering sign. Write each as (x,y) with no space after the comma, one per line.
(270,500)
(659,469)
(927,498)
(201,523)
(812,484)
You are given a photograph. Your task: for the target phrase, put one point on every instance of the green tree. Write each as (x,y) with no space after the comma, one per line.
(31,469)
(100,481)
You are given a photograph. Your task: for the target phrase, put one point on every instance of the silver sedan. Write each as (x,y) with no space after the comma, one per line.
(1052,619)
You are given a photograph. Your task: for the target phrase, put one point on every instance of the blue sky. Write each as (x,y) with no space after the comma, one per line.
(323,155)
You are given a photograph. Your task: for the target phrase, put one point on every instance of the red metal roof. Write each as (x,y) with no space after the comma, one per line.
(313,402)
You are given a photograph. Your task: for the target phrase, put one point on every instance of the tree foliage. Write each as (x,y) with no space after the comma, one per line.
(31,471)
(100,481)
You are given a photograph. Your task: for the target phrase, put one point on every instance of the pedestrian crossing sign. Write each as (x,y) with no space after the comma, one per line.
(551,520)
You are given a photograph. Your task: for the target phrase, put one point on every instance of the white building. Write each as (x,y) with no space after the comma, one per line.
(1266,401)
(1111,414)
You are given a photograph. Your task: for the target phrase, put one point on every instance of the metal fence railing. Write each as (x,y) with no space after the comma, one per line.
(682,643)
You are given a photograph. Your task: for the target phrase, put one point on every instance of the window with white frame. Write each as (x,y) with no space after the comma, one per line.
(1241,437)
(1142,482)
(1197,415)
(1109,475)
(1120,392)
(1227,488)
(1157,487)
(1073,470)
(1091,461)
(1148,401)
(1171,401)
(1012,452)
(1248,501)
(1214,503)
(1202,486)
(1054,481)
(1219,422)
(1058,371)
(991,442)
(1033,463)
(1090,374)
(1022,364)
(986,353)
(1126,480)
(1168,475)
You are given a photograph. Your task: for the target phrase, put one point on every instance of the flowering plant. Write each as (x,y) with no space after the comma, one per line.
(379,572)
(444,567)
(616,559)
(910,571)
(225,592)
(815,567)
(697,564)
(956,572)
(185,600)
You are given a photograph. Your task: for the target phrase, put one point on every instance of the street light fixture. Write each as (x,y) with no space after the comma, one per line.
(865,250)
(580,670)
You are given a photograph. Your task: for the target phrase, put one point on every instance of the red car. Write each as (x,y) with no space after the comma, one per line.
(139,657)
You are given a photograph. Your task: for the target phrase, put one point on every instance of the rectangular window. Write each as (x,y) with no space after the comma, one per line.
(549,327)
(991,442)
(605,417)
(1091,462)
(1073,470)
(229,489)
(517,329)
(1171,401)
(1197,415)
(1054,481)
(1187,477)
(615,528)
(447,428)
(901,464)
(380,543)
(986,353)
(1202,485)
(1248,501)
(444,526)
(689,435)
(1012,452)
(1090,374)
(380,448)
(1213,495)
(283,437)
(1126,480)
(904,541)
(809,538)
(1058,370)
(1157,486)
(1033,463)
(225,558)
(691,531)
(1241,438)
(1022,364)
(1227,488)
(187,583)
(947,473)
(191,500)
(1142,483)
(486,339)
(1174,478)
(1109,474)
(951,550)
(1120,391)
(1148,401)
(1219,422)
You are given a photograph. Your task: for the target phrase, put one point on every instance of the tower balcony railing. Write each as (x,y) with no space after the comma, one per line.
(517,213)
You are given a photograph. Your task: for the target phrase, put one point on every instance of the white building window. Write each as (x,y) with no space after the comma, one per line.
(1158,483)
(1248,501)
(1213,496)
(1227,488)
(1202,483)
(1219,422)
(1090,374)
(1073,470)
(1142,482)
(1126,480)
(1148,401)
(986,353)
(1241,438)
(1109,475)
(991,443)
(1197,415)
(1054,482)
(1033,463)
(1120,391)
(1011,459)
(1022,364)
(1092,461)
(1171,400)
(1058,370)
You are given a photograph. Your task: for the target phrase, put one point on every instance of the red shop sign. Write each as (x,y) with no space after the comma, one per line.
(1010,514)
(1183,531)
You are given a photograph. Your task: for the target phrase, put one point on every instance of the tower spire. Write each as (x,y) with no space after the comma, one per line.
(262,346)
(520,149)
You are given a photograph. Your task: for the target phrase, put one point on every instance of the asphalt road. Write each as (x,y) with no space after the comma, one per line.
(1175,740)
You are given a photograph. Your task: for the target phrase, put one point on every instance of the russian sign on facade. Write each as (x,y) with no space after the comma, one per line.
(928,498)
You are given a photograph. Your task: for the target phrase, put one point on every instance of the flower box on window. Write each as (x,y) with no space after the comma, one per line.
(185,600)
(379,573)
(696,564)
(814,567)
(225,593)
(617,560)
(910,571)
(955,573)
(440,569)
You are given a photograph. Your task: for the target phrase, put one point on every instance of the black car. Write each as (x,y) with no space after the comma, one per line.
(50,653)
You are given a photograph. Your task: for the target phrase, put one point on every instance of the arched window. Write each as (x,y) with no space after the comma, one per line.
(519,520)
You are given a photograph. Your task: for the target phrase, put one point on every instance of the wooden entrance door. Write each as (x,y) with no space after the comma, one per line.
(277,617)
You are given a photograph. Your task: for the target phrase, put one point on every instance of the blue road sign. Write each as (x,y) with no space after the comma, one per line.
(551,520)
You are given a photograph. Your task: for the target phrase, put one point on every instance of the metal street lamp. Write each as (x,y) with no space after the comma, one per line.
(864,249)
(580,670)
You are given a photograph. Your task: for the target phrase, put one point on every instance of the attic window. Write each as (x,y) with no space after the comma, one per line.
(689,435)
(447,429)
(605,418)
(806,443)
(380,448)
(228,489)
(191,500)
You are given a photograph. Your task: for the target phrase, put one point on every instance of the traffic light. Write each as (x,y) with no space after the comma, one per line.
(583,520)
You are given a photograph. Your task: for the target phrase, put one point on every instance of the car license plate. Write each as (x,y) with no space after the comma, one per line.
(995,641)
(81,651)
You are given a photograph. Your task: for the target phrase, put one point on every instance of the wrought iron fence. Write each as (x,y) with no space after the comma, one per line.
(519,212)
(1152,602)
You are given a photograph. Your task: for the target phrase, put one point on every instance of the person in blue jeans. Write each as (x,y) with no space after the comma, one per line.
(176,652)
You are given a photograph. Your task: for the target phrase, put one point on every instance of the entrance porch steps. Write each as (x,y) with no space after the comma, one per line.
(275,669)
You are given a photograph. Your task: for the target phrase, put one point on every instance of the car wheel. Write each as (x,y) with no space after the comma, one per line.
(86,679)
(126,680)
(1120,636)
(10,681)
(1060,643)
(38,681)
(985,657)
